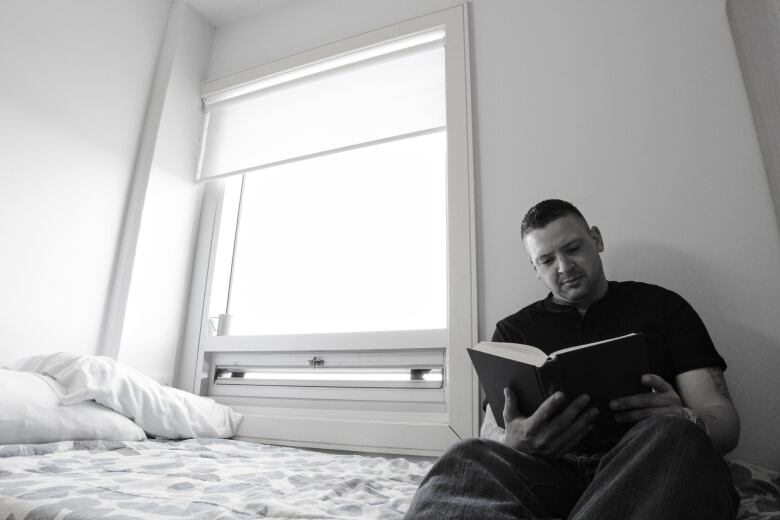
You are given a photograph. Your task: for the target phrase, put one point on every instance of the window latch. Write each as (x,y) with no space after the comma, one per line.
(316,361)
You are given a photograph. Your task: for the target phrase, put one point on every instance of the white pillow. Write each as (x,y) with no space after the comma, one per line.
(160,410)
(31,413)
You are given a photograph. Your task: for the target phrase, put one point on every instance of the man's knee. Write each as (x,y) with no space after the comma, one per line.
(472,443)
(486,455)
(669,426)
(669,434)
(670,446)
(466,451)
(470,448)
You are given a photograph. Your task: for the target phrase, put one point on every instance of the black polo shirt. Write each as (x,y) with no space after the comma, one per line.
(676,337)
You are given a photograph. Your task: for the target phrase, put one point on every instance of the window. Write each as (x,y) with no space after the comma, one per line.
(349,242)
(337,274)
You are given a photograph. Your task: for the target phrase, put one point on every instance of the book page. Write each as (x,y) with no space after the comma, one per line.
(514,351)
(586,345)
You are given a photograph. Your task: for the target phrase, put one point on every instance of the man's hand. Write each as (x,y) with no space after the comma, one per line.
(550,431)
(663,400)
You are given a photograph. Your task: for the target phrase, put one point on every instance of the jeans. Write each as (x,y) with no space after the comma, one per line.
(664,468)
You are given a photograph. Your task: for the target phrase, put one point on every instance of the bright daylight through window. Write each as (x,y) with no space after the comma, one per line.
(335,198)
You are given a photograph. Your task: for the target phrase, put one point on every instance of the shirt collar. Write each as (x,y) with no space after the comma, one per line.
(551,305)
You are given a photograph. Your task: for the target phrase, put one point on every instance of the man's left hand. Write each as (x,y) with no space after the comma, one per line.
(663,400)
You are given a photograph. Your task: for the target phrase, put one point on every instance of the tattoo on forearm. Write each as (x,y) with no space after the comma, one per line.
(720,382)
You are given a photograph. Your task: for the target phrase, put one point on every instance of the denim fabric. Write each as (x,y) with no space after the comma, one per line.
(663,468)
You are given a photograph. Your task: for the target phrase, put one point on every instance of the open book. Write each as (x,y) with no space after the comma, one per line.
(604,370)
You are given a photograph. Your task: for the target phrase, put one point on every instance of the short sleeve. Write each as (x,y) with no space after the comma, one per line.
(511,328)
(498,335)
(687,340)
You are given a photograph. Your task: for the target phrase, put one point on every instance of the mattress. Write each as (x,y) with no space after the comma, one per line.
(200,479)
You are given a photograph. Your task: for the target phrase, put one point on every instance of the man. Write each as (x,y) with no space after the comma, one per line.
(667,466)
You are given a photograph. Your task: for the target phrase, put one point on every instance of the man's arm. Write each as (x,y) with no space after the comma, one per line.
(704,391)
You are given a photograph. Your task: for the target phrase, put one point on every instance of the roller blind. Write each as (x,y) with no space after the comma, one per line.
(388,92)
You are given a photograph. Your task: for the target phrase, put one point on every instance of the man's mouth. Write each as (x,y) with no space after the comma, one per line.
(570,280)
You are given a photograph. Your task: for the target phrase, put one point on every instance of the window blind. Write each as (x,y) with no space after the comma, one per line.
(388,92)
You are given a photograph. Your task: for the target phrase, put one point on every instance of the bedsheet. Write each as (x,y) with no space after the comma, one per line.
(205,479)
(200,479)
(759,491)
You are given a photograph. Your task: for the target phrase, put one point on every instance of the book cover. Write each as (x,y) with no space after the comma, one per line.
(604,370)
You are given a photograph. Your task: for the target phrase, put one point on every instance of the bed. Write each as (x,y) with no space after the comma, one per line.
(165,453)
(205,479)
(759,491)
(53,407)
(200,479)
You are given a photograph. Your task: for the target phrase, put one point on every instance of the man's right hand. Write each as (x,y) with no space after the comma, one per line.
(552,430)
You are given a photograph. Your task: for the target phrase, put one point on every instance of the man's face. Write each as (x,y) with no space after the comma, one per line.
(565,256)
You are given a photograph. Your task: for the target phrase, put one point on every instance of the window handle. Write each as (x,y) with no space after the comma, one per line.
(316,361)
(222,326)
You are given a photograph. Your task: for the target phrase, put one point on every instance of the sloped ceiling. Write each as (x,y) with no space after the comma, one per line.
(224,12)
(755,26)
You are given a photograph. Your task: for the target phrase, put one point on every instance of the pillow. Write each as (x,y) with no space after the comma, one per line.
(31,413)
(160,410)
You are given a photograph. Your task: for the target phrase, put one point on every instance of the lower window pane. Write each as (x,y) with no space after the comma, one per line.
(349,242)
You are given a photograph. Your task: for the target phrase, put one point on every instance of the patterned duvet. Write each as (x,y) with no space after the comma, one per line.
(220,479)
(199,480)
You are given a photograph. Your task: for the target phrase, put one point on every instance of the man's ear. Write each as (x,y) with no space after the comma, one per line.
(533,266)
(595,234)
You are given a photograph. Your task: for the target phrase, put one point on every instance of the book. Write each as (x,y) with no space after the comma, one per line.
(604,370)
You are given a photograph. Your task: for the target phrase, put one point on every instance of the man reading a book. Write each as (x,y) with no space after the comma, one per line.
(669,462)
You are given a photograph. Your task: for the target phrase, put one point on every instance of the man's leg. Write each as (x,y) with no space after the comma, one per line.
(486,480)
(664,467)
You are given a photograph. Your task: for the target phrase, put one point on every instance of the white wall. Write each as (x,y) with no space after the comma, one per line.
(157,298)
(74,82)
(301,25)
(635,111)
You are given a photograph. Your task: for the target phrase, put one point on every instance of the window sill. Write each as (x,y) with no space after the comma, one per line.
(405,433)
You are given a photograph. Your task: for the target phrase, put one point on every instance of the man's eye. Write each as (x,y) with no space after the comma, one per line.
(546,261)
(574,249)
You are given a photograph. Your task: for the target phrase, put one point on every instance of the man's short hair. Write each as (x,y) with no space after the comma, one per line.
(547,211)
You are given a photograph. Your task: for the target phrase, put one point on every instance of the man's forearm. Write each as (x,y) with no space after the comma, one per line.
(722,425)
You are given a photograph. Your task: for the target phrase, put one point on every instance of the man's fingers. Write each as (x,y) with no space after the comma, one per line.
(547,410)
(510,411)
(575,431)
(664,395)
(656,382)
(572,411)
(634,416)
(575,440)
(647,400)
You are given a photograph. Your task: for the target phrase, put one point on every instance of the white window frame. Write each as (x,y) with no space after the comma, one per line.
(337,422)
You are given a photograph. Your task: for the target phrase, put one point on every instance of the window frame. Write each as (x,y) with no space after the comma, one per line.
(388,427)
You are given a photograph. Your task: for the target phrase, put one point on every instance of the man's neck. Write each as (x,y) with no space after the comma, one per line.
(583,305)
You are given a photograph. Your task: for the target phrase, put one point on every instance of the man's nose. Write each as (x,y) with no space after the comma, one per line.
(564,264)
